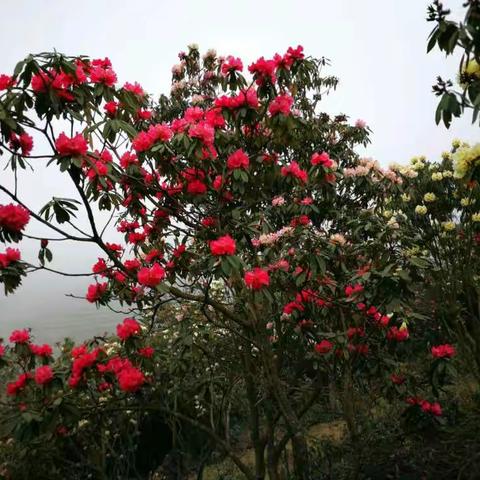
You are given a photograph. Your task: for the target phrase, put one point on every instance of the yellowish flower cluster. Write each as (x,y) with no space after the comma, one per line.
(429,197)
(437,176)
(472,68)
(465,158)
(476,217)
(448,226)
(421,210)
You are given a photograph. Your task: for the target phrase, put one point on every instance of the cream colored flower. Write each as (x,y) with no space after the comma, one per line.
(476,217)
(418,166)
(429,197)
(421,209)
(448,226)
(405,197)
(437,176)
(464,159)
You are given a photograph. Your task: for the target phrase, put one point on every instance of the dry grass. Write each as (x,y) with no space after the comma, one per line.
(333,432)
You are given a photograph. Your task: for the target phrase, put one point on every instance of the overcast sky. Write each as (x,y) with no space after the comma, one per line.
(377,49)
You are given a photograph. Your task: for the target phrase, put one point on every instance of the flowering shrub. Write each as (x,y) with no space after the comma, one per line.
(238,199)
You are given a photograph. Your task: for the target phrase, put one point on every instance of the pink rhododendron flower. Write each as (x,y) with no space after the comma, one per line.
(281,104)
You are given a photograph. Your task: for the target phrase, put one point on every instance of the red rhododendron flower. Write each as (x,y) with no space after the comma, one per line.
(82,361)
(291,307)
(132,264)
(294,170)
(151,276)
(115,248)
(105,75)
(443,351)
(397,379)
(111,108)
(11,255)
(263,70)
(355,332)
(14,387)
(130,379)
(353,289)
(231,64)
(217,183)
(71,147)
(6,82)
(134,88)
(321,159)
(43,375)
(323,347)
(100,266)
(247,98)
(203,131)
(142,142)
(128,328)
(238,159)
(179,251)
(20,336)
(399,334)
(223,246)
(146,352)
(58,81)
(13,217)
(128,159)
(144,114)
(152,255)
(196,187)
(160,132)
(281,104)
(209,222)
(23,142)
(96,291)
(257,278)
(44,350)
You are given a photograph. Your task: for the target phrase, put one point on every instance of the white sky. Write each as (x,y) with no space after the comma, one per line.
(377,49)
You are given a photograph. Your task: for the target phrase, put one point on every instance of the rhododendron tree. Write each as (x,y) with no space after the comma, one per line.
(231,180)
